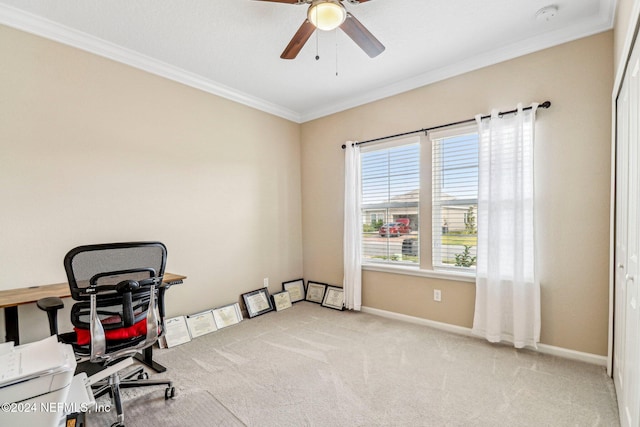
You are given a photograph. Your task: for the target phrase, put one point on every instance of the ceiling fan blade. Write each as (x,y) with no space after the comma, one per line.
(285,1)
(298,40)
(362,36)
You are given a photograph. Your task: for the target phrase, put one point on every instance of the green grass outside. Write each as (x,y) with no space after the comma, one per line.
(406,258)
(460,239)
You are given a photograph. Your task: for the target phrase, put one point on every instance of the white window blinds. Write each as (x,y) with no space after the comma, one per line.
(455,198)
(390,202)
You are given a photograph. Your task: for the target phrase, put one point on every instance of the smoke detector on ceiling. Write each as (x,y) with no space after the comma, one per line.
(547,13)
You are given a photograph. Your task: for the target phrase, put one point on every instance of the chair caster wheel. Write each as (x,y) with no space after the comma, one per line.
(143,376)
(169,393)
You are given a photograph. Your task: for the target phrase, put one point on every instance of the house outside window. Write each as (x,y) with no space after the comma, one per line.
(455,198)
(390,202)
(375,219)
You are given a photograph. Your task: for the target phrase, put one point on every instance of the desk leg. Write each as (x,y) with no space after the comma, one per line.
(147,358)
(11,324)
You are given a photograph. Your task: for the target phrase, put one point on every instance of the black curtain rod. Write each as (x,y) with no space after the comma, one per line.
(545,104)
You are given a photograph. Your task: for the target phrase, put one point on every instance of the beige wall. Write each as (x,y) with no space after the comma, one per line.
(572,169)
(95,151)
(87,144)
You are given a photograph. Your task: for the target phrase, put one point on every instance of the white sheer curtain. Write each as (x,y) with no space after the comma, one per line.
(352,283)
(507,290)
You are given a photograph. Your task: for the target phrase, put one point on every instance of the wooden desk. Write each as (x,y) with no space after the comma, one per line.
(10,300)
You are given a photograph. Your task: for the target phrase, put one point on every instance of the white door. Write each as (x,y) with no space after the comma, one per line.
(621,231)
(627,316)
(632,278)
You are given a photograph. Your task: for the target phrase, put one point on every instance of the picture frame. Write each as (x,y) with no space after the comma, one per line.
(227,315)
(334,298)
(281,300)
(176,332)
(257,302)
(296,290)
(201,323)
(315,291)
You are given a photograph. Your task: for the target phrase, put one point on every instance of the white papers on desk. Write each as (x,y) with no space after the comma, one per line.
(10,362)
(176,332)
(6,347)
(201,323)
(33,359)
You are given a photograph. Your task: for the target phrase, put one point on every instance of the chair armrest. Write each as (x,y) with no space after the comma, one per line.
(51,305)
(161,291)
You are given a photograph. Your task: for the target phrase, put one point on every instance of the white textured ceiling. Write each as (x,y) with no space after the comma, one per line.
(232,47)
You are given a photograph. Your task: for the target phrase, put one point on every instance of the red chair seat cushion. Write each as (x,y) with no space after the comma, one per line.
(135,330)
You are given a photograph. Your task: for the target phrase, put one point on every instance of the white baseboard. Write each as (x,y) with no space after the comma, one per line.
(461,330)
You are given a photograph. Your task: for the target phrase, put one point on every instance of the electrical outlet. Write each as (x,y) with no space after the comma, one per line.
(437,295)
(265,281)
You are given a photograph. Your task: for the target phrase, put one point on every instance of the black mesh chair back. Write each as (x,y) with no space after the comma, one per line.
(116,286)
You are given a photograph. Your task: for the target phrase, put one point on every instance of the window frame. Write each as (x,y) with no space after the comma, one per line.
(425,266)
(436,233)
(386,145)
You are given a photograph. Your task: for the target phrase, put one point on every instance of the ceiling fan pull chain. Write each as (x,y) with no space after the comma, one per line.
(336,33)
(317,55)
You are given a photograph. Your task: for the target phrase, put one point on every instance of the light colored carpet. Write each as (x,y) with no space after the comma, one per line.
(194,408)
(314,366)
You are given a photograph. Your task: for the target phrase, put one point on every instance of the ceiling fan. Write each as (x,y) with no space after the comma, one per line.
(327,15)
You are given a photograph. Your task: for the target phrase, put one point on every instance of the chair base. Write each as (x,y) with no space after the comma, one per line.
(108,379)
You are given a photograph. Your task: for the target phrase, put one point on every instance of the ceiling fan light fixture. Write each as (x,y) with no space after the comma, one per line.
(327,15)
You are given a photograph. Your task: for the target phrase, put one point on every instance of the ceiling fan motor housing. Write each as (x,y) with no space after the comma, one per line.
(326,15)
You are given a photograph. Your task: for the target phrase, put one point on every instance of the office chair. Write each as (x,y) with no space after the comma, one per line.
(119,310)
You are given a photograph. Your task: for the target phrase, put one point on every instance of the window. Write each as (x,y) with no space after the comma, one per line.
(390,202)
(455,198)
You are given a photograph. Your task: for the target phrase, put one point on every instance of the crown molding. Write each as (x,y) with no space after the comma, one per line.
(608,11)
(39,26)
(42,27)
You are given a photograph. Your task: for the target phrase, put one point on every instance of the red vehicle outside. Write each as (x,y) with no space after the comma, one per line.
(400,226)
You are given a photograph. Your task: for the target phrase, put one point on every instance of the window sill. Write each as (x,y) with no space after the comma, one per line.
(412,271)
